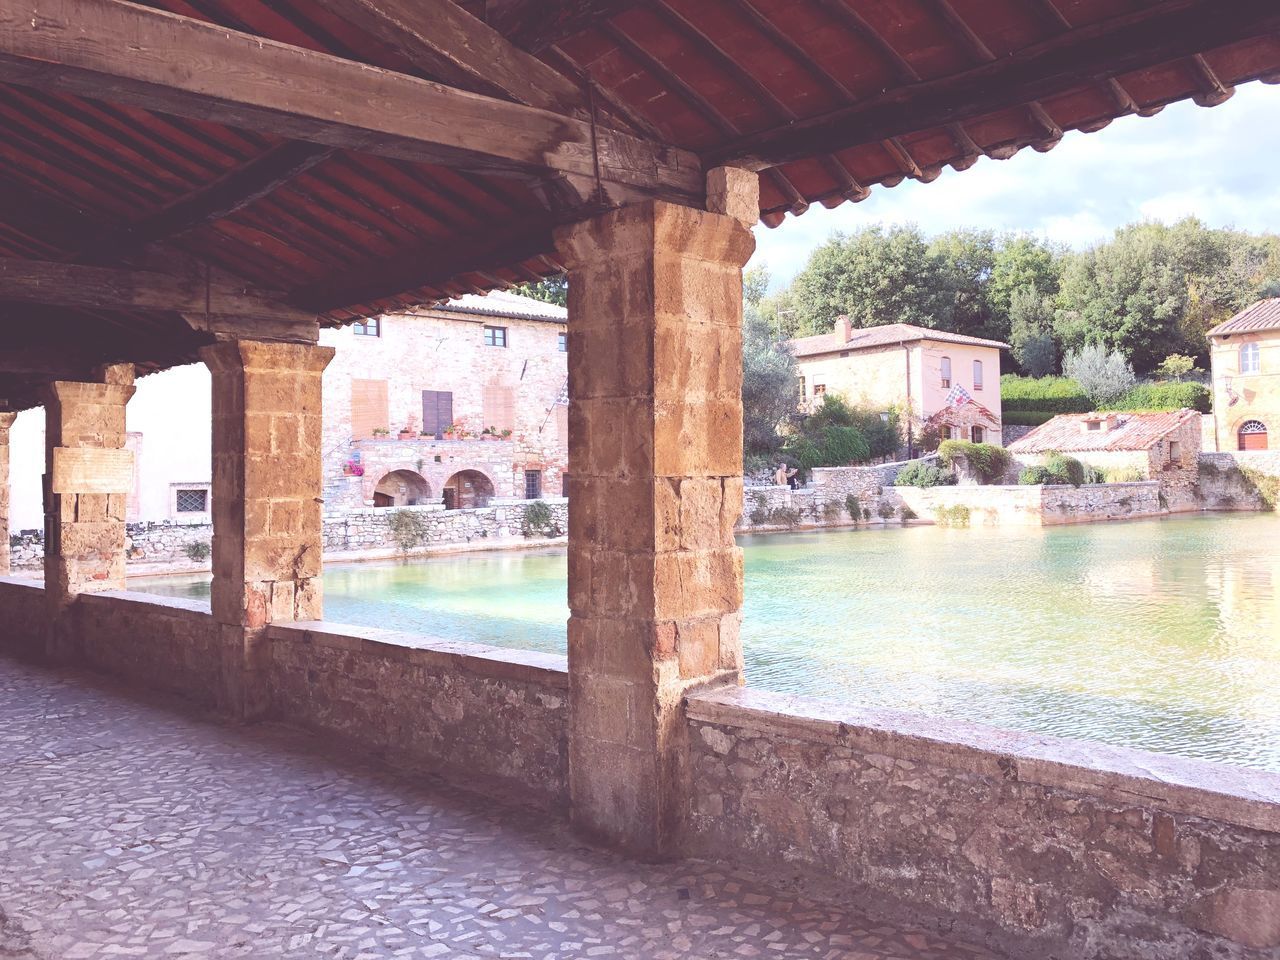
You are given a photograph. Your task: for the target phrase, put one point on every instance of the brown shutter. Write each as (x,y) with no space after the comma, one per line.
(437,411)
(499,407)
(368,408)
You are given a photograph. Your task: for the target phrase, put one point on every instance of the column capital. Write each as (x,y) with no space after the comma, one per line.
(231,355)
(734,192)
(6,421)
(641,229)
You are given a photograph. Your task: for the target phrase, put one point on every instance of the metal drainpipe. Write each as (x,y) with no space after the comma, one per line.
(911,440)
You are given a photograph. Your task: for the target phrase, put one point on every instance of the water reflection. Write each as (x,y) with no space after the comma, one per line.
(1163,634)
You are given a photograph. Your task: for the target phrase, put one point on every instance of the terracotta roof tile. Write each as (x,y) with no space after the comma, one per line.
(1263,315)
(1132,431)
(887,335)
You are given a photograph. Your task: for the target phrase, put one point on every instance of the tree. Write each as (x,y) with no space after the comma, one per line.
(875,276)
(755,284)
(549,290)
(970,256)
(770,390)
(1175,367)
(1031,332)
(1103,374)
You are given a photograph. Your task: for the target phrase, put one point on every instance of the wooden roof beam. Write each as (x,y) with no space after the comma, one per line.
(535,25)
(117,51)
(1155,35)
(449,43)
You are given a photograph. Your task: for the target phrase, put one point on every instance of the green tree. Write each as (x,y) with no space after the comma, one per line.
(1022,261)
(755,284)
(1031,332)
(1103,374)
(770,390)
(970,257)
(877,275)
(1176,366)
(549,290)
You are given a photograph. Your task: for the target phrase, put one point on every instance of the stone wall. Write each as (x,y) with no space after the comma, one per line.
(1240,480)
(356,531)
(823,502)
(1030,506)
(488,716)
(23,612)
(1014,431)
(1068,849)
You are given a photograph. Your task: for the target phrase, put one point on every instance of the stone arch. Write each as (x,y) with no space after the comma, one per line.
(1252,435)
(401,488)
(466,489)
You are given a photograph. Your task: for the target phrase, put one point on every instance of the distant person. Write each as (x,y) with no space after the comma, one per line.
(780,475)
(793,478)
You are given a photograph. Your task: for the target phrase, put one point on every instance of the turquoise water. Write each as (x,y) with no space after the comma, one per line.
(1163,635)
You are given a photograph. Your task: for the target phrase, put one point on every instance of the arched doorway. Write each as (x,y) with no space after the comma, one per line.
(401,488)
(1252,435)
(467,488)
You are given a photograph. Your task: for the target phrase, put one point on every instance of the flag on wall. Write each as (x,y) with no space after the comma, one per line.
(958,396)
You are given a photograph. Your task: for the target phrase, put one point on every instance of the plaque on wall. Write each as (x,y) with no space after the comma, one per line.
(91,470)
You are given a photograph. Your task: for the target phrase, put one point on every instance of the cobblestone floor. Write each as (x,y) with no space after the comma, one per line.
(128,828)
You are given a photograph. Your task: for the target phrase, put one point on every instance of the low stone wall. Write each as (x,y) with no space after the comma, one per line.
(1068,849)
(187,546)
(466,710)
(23,615)
(824,501)
(1243,480)
(1030,506)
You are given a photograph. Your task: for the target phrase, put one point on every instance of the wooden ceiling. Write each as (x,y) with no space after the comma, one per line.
(344,157)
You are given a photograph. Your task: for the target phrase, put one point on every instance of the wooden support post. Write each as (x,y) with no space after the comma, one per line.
(655,466)
(266,502)
(6,423)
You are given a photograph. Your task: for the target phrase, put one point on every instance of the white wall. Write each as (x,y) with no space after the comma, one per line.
(172,411)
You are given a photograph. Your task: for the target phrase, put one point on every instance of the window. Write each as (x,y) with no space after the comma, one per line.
(499,407)
(946,372)
(368,408)
(437,411)
(1250,358)
(1175,450)
(977,374)
(191,500)
(1252,435)
(802,387)
(368,328)
(532,484)
(978,434)
(819,389)
(563,342)
(495,336)
(1093,424)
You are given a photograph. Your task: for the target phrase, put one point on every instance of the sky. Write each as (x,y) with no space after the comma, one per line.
(1217,164)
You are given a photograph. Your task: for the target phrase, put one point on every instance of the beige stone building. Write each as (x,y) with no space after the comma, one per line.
(946,380)
(1245,356)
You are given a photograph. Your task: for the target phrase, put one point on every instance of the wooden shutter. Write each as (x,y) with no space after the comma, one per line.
(368,408)
(499,407)
(437,411)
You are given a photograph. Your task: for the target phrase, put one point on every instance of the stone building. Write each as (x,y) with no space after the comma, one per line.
(459,403)
(1245,356)
(946,380)
(1150,446)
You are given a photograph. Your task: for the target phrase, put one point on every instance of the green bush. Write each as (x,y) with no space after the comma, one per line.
(1063,469)
(954,516)
(853,507)
(905,513)
(1165,395)
(884,510)
(1034,477)
(408,529)
(1026,418)
(1094,475)
(1122,475)
(1042,394)
(539,520)
(919,474)
(986,460)
(844,445)
(198,552)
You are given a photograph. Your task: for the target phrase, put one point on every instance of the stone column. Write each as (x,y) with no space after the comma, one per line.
(6,422)
(655,487)
(266,501)
(88,476)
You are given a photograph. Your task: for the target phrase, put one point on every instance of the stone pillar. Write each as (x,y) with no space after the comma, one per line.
(6,422)
(88,477)
(655,486)
(266,501)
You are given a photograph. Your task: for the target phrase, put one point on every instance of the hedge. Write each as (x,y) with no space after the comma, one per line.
(1042,394)
(1164,395)
(1026,418)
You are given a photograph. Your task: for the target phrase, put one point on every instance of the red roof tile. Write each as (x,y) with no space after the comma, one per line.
(1263,315)
(1132,431)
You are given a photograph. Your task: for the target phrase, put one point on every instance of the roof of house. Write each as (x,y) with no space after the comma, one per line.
(888,335)
(504,303)
(1263,315)
(1133,431)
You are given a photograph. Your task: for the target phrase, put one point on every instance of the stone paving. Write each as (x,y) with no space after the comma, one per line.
(129,827)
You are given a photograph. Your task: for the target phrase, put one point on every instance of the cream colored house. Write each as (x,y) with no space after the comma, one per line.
(947,380)
(1245,356)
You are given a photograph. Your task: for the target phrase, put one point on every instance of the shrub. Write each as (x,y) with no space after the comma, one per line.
(1266,486)
(884,510)
(539,520)
(986,460)
(1165,395)
(1122,475)
(852,506)
(831,511)
(920,474)
(759,514)
(199,552)
(1103,374)
(1042,395)
(844,445)
(1034,476)
(408,529)
(1063,469)
(866,513)
(905,513)
(954,516)
(1176,366)
(1026,418)
(1094,475)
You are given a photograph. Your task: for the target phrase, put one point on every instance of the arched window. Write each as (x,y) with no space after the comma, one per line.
(1252,435)
(1250,358)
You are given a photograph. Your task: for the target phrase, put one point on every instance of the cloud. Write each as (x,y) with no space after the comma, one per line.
(1216,164)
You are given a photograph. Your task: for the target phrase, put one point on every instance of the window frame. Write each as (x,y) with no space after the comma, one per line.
(944,373)
(369,327)
(493,334)
(978,434)
(978,376)
(534,476)
(192,517)
(562,341)
(1253,350)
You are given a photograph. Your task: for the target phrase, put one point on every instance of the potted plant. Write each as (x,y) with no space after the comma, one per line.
(506,434)
(489,433)
(426,436)
(379,432)
(353,469)
(410,429)
(453,432)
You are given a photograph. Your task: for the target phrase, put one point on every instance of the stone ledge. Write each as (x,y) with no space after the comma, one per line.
(1214,791)
(161,604)
(22,583)
(525,666)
